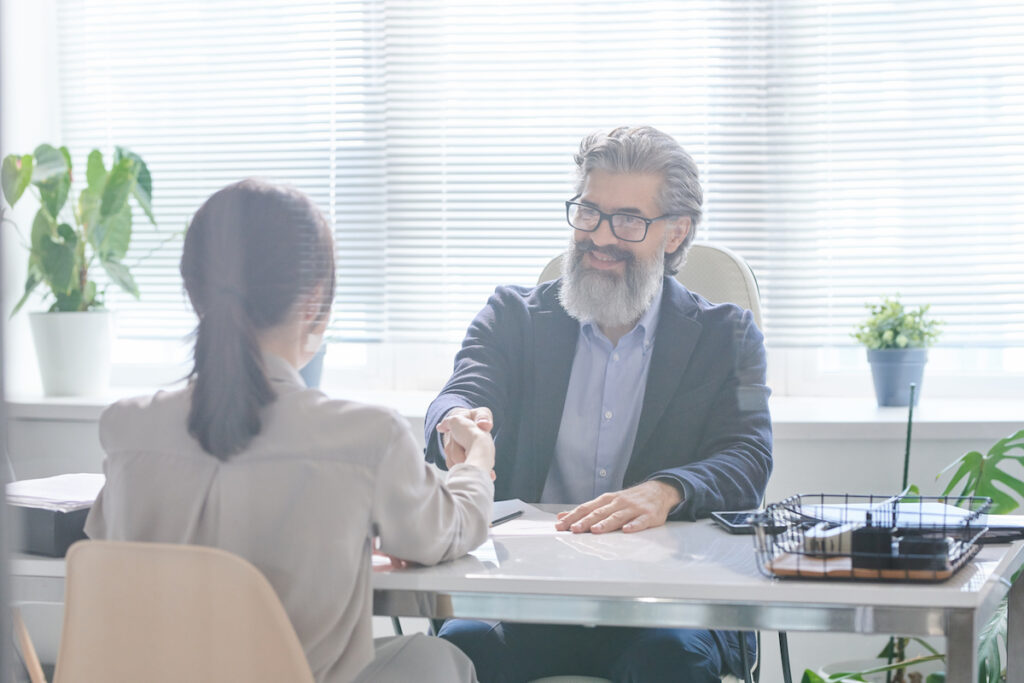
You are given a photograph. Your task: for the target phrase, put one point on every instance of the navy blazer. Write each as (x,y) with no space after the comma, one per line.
(704,422)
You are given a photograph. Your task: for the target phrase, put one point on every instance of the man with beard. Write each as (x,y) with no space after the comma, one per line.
(616,390)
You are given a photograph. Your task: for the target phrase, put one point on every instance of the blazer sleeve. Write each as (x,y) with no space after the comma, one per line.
(733,459)
(419,516)
(483,369)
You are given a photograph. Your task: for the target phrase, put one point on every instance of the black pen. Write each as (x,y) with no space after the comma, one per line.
(507,518)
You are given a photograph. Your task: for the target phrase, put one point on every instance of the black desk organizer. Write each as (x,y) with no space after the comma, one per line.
(869,537)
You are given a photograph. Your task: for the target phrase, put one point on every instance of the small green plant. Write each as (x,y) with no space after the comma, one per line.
(65,243)
(892,326)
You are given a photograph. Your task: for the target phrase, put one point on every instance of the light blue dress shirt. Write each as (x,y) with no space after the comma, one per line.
(602,411)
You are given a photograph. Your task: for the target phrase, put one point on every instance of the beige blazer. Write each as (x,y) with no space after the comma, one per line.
(302,503)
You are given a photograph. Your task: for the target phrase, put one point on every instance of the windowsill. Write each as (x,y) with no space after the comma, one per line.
(793,417)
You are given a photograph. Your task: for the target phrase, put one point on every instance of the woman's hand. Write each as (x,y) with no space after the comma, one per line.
(467,438)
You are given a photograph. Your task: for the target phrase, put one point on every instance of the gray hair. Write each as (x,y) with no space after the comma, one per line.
(647,150)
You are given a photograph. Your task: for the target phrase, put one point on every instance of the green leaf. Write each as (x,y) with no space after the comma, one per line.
(67,160)
(50,163)
(113,234)
(119,185)
(68,234)
(15,176)
(990,667)
(44,228)
(89,210)
(54,193)
(811,677)
(143,190)
(95,171)
(119,273)
(927,646)
(984,475)
(937,677)
(31,281)
(57,261)
(68,302)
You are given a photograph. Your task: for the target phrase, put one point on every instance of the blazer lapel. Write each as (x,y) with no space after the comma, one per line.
(674,342)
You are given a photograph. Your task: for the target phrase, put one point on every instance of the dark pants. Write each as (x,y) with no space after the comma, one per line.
(514,653)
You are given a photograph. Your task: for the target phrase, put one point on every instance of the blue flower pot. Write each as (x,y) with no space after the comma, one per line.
(893,371)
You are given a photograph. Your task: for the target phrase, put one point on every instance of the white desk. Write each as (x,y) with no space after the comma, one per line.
(682,575)
(695,575)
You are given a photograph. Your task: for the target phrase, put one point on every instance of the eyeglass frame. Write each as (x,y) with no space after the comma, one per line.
(602,216)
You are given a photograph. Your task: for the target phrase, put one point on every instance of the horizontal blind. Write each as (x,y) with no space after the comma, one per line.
(847,149)
(898,131)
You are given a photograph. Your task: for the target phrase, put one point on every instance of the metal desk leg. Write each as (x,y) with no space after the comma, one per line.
(744,657)
(962,646)
(784,653)
(1015,632)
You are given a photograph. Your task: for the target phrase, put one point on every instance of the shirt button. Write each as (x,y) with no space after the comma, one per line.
(607,414)
(615,356)
(602,472)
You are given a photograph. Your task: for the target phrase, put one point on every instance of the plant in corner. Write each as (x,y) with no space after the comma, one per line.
(65,243)
(989,474)
(896,338)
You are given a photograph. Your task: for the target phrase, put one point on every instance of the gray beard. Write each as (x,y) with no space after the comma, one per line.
(608,299)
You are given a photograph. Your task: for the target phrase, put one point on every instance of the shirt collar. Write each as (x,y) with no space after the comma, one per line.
(280,371)
(647,323)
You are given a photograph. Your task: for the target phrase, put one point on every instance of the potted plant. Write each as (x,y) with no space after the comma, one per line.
(72,338)
(897,339)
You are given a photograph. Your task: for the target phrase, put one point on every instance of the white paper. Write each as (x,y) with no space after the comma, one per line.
(534,522)
(883,513)
(63,493)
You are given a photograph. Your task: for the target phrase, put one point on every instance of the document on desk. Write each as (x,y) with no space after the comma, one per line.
(533,522)
(63,493)
(923,514)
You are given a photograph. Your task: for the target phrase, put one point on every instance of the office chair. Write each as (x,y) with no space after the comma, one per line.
(720,275)
(166,613)
(716,273)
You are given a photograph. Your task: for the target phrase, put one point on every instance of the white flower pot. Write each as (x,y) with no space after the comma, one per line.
(73,350)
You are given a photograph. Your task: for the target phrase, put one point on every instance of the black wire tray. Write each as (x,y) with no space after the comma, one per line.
(869,537)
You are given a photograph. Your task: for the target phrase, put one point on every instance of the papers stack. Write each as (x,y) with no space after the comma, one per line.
(63,493)
(49,514)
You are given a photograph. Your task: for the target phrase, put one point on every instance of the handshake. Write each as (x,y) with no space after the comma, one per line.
(466,437)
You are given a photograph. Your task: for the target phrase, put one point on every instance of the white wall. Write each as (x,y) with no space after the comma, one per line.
(29,111)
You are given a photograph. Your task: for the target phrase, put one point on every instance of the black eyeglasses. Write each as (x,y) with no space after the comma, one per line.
(627,227)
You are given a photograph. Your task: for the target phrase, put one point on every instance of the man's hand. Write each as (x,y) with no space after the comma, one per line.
(454,453)
(467,434)
(644,506)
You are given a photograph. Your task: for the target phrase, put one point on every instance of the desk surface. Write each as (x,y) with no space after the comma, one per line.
(681,575)
(663,574)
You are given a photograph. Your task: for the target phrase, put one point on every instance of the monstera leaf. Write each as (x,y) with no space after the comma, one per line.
(984,475)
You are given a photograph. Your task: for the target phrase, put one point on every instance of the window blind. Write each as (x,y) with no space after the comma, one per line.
(847,149)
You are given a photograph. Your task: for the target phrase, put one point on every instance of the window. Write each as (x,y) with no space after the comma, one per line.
(847,149)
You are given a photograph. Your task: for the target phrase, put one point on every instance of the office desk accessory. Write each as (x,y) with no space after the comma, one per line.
(507,518)
(887,538)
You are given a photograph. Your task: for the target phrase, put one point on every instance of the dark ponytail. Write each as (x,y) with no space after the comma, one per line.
(251,252)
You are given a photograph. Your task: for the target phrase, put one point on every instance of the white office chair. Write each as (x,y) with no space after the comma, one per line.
(718,274)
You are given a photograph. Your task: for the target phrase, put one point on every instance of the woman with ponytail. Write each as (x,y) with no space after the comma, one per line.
(247,459)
